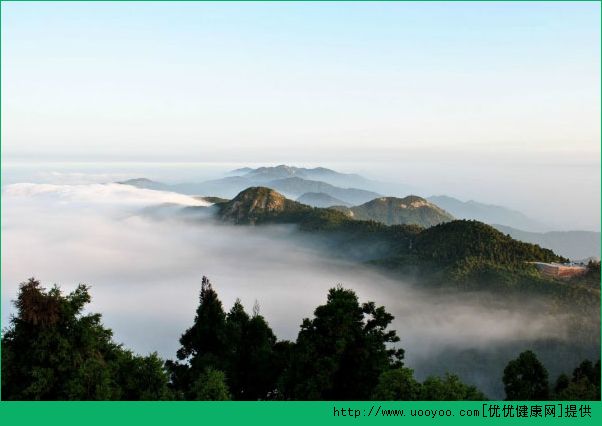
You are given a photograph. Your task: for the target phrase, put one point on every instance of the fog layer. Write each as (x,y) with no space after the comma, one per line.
(145,274)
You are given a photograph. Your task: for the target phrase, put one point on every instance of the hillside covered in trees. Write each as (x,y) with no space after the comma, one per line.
(346,351)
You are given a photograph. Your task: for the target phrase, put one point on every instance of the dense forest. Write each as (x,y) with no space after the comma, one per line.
(52,350)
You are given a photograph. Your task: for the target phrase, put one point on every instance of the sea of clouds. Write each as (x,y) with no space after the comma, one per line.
(145,273)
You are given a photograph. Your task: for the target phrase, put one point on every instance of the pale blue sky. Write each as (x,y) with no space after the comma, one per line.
(199,80)
(451,85)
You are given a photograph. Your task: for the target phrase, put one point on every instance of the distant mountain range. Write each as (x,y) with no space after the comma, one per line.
(291,181)
(319,199)
(295,187)
(576,245)
(267,174)
(322,187)
(487,213)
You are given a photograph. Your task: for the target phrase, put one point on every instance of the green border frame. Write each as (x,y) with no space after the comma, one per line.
(294,412)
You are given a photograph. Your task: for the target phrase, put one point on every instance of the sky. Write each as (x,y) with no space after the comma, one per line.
(442,93)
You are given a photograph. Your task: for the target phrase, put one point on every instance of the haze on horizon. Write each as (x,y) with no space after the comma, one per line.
(497,102)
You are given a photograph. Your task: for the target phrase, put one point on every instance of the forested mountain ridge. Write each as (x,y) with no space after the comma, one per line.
(465,253)
(445,242)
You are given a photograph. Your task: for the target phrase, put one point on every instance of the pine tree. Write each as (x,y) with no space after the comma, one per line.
(342,351)
(203,345)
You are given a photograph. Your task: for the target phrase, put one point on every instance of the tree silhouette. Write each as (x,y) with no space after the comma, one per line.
(526,379)
(342,351)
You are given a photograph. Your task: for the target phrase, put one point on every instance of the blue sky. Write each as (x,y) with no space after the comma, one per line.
(85,79)
(452,85)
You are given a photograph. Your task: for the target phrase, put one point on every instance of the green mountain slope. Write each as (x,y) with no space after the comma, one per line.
(462,239)
(444,243)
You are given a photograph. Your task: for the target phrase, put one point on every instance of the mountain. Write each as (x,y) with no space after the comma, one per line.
(487,213)
(266,174)
(319,199)
(296,186)
(576,245)
(446,242)
(466,239)
(226,187)
(465,254)
(258,204)
(145,183)
(240,172)
(293,187)
(411,210)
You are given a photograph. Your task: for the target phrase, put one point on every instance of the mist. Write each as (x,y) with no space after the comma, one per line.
(145,272)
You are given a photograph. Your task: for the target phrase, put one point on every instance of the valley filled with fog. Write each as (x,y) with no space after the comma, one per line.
(144,263)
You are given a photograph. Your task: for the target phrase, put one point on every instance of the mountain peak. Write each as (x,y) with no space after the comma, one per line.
(410,210)
(256,203)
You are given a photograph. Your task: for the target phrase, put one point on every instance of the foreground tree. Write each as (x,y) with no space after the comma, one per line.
(449,388)
(51,351)
(342,351)
(203,344)
(526,379)
(211,386)
(397,384)
(239,346)
(584,385)
(252,367)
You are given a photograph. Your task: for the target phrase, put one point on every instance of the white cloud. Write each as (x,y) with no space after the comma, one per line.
(110,193)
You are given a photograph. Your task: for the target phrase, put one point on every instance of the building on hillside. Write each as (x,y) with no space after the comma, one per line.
(560,270)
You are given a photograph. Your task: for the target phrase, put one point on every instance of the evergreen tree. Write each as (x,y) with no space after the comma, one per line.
(203,346)
(526,379)
(262,374)
(51,351)
(237,322)
(251,371)
(342,351)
